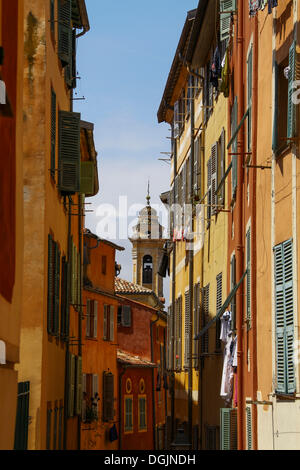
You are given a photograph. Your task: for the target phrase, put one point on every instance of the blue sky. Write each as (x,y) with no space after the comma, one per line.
(124,62)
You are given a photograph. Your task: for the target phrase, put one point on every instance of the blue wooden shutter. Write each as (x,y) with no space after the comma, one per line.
(64,32)
(228,429)
(289,314)
(69,152)
(291,113)
(279,324)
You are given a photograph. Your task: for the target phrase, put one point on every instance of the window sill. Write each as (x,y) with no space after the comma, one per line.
(285,396)
(91,339)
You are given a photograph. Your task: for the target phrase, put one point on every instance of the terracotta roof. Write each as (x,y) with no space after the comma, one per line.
(126,287)
(127,358)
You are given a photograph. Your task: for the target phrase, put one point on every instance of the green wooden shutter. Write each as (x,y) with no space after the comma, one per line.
(22,416)
(53,133)
(87,178)
(291,112)
(78,385)
(69,152)
(56,296)
(248,295)
(108,396)
(249,427)
(50,284)
(64,32)
(228,429)
(221,195)
(289,314)
(284,307)
(226,7)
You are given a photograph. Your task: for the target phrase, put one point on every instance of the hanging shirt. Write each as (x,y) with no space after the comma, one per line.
(272,4)
(225,326)
(227,375)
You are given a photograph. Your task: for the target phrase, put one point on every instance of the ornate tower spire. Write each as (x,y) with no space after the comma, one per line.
(148,198)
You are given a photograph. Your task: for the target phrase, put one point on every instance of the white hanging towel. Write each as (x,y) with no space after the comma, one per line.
(227,375)
(2,92)
(2,353)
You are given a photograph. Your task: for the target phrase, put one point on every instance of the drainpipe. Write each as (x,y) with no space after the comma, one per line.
(153,382)
(80,313)
(239,220)
(253,224)
(191,278)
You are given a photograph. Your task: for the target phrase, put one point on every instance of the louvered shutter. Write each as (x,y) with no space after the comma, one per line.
(111,322)
(234,148)
(248,290)
(108,396)
(214,162)
(184,185)
(105,319)
(69,152)
(64,32)
(291,113)
(126,316)
(187,330)
(196,324)
(226,8)
(22,416)
(249,427)
(188,179)
(284,306)
(71,375)
(51,283)
(289,314)
(87,178)
(78,385)
(64,299)
(228,429)
(95,308)
(53,133)
(205,318)
(56,295)
(88,318)
(249,93)
(169,336)
(221,195)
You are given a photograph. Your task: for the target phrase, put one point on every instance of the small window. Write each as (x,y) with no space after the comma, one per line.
(108,323)
(128,411)
(91,318)
(142,413)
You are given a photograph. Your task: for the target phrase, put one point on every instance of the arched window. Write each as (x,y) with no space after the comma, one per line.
(147,269)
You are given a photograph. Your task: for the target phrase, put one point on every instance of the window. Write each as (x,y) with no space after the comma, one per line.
(90,397)
(91,318)
(196,324)
(234,117)
(205,318)
(64,306)
(128,411)
(53,134)
(228,429)
(53,287)
(22,417)
(226,9)
(108,323)
(147,269)
(178,333)
(218,307)
(64,31)
(104,263)
(108,397)
(124,316)
(284,321)
(187,336)
(69,152)
(142,413)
